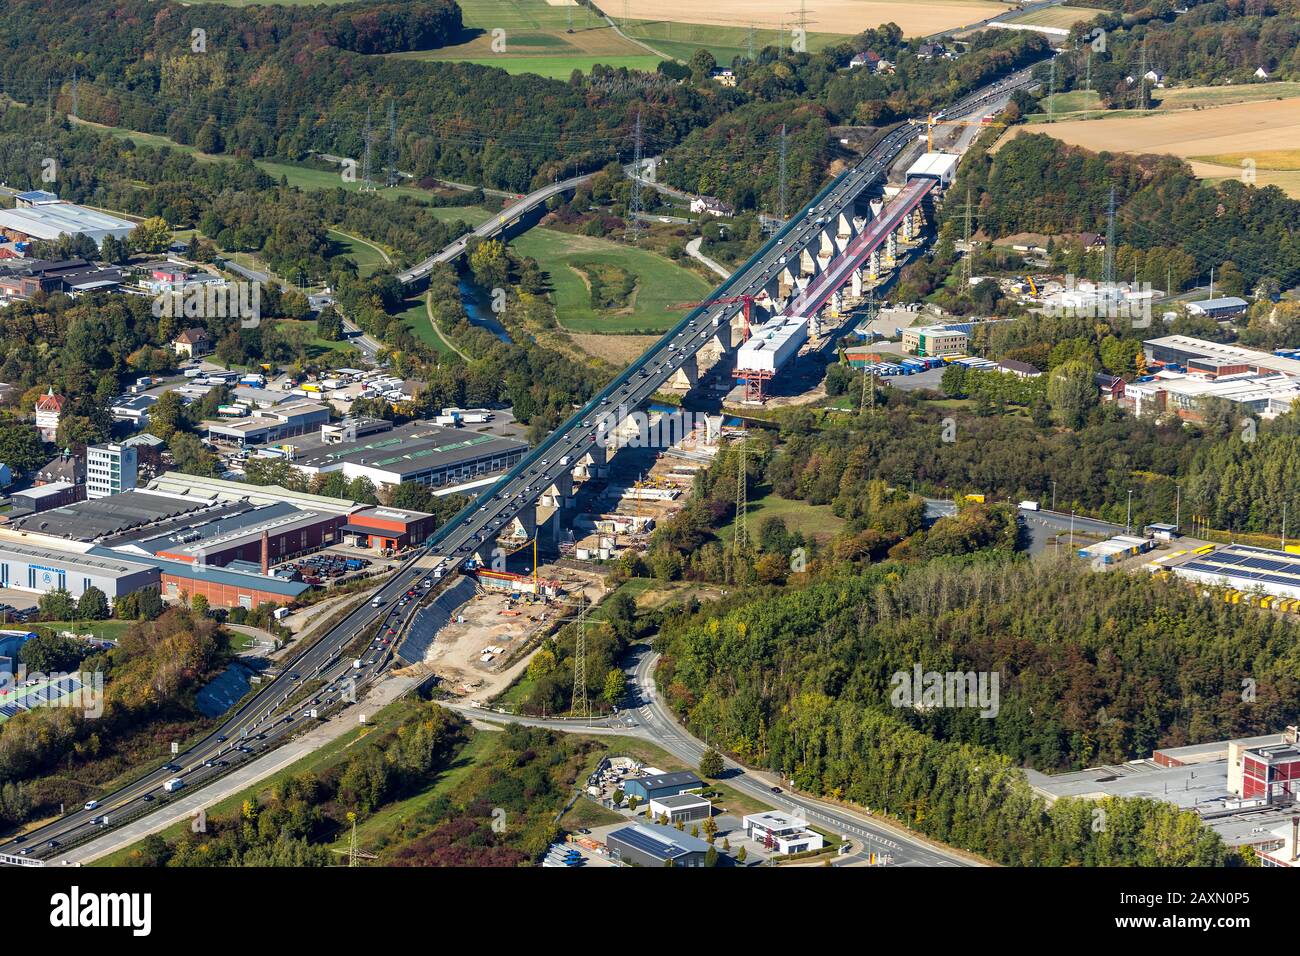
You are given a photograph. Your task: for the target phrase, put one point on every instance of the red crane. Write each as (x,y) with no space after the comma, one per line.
(747,299)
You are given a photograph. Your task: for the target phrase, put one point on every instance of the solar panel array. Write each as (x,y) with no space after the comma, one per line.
(1255,564)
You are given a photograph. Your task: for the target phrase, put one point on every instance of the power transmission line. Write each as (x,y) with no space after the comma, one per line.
(780,210)
(581,705)
(740,543)
(1108,273)
(393,176)
(634,226)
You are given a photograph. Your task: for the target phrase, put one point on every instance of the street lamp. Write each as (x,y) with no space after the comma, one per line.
(1128,522)
(1053,494)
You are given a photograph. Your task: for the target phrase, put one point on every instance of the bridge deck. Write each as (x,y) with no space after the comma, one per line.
(823,285)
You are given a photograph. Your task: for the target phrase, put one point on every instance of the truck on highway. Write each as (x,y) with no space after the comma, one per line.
(174,784)
(356,664)
(1029,506)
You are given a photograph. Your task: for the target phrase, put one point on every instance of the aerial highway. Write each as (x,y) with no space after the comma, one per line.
(258,724)
(476,527)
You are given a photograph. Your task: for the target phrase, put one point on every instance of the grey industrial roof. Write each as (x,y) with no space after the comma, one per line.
(680,801)
(1226,302)
(413,448)
(109,564)
(674,779)
(230,530)
(97,517)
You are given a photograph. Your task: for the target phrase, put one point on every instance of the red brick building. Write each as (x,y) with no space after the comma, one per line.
(389,528)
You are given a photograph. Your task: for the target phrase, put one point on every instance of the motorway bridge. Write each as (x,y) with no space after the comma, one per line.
(813,241)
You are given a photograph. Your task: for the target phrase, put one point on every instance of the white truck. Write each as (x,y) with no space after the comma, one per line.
(1029,506)
(174,784)
(357,663)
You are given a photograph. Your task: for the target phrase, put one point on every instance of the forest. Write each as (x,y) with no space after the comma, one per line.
(51,756)
(273,80)
(1109,666)
(1164,216)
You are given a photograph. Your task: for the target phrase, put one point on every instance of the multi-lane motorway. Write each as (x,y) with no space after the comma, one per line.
(261,722)
(476,527)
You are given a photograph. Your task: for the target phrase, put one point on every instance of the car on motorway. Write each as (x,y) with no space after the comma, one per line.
(776,789)
(172,767)
(92,805)
(148,798)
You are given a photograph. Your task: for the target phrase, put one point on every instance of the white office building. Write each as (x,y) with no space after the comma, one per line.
(110,470)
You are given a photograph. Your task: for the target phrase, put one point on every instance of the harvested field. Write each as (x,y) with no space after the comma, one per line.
(1216,140)
(824,16)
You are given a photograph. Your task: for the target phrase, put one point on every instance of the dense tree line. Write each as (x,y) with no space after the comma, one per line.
(1166,220)
(1111,665)
(737,156)
(271,80)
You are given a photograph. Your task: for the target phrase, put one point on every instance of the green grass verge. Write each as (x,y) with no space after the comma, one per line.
(366,255)
(103,630)
(660,282)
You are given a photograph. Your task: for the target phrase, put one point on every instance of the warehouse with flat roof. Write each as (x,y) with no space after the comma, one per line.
(425,454)
(50,220)
(1245,568)
(31,567)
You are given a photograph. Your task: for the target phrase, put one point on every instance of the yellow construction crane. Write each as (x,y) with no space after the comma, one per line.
(1032,288)
(931,123)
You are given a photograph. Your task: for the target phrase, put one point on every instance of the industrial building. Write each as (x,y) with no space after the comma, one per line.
(684,807)
(659,785)
(23,278)
(1180,349)
(388,529)
(1116,549)
(92,520)
(1183,394)
(425,454)
(56,494)
(261,535)
(1221,308)
(50,220)
(30,567)
(265,425)
(1245,568)
(648,844)
(782,833)
(936,340)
